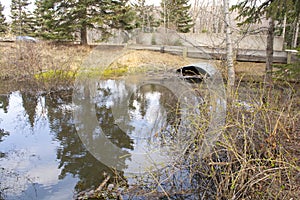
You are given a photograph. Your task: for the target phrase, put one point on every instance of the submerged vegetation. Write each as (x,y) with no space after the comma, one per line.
(256,157)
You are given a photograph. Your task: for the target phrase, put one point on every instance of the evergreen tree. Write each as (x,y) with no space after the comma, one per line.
(42,14)
(118,15)
(62,19)
(252,11)
(176,15)
(145,16)
(22,21)
(50,21)
(124,16)
(3,24)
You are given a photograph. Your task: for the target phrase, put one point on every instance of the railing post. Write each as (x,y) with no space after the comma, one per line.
(184,52)
(290,52)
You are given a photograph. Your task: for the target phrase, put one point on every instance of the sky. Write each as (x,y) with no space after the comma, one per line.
(6,4)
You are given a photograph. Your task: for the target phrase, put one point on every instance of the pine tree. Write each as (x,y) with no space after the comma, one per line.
(42,15)
(66,20)
(176,15)
(182,18)
(124,15)
(50,20)
(3,24)
(22,21)
(251,11)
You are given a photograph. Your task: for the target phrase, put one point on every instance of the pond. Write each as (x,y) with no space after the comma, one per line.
(58,144)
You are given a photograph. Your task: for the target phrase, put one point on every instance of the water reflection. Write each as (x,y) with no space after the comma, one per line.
(131,124)
(42,155)
(4,101)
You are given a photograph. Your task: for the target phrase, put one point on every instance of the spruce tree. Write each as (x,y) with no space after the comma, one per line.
(50,20)
(251,11)
(3,24)
(42,15)
(182,18)
(176,15)
(115,15)
(22,21)
(66,20)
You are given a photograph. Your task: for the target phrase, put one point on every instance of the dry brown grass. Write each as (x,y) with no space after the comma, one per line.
(32,57)
(42,56)
(21,62)
(256,157)
(135,59)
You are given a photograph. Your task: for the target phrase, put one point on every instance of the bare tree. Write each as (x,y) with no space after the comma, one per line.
(207,16)
(195,12)
(284,28)
(296,32)
(229,49)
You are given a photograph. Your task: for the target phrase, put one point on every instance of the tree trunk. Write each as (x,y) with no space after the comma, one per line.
(83,35)
(214,9)
(229,49)
(295,39)
(284,30)
(269,52)
(83,29)
(165,16)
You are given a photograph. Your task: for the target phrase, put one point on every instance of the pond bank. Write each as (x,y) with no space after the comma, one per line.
(256,157)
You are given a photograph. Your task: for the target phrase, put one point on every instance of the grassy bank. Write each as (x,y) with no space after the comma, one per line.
(40,65)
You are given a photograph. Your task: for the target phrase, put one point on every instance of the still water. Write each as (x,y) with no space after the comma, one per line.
(48,152)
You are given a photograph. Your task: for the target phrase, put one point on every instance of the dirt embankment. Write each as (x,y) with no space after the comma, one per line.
(44,56)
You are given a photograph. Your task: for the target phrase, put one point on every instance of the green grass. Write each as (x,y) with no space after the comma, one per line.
(56,74)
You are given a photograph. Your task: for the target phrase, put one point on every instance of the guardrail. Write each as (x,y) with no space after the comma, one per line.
(242,55)
(203,52)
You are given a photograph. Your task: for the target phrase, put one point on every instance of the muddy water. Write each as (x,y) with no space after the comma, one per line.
(44,157)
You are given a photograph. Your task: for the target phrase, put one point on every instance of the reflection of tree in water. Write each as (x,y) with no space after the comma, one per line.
(107,123)
(4,102)
(167,100)
(3,133)
(30,102)
(74,158)
(111,130)
(170,102)
(140,97)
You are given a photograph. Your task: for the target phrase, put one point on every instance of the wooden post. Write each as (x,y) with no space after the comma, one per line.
(184,52)
(290,52)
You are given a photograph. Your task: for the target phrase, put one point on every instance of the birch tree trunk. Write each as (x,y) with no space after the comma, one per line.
(229,49)
(295,39)
(195,13)
(214,9)
(284,30)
